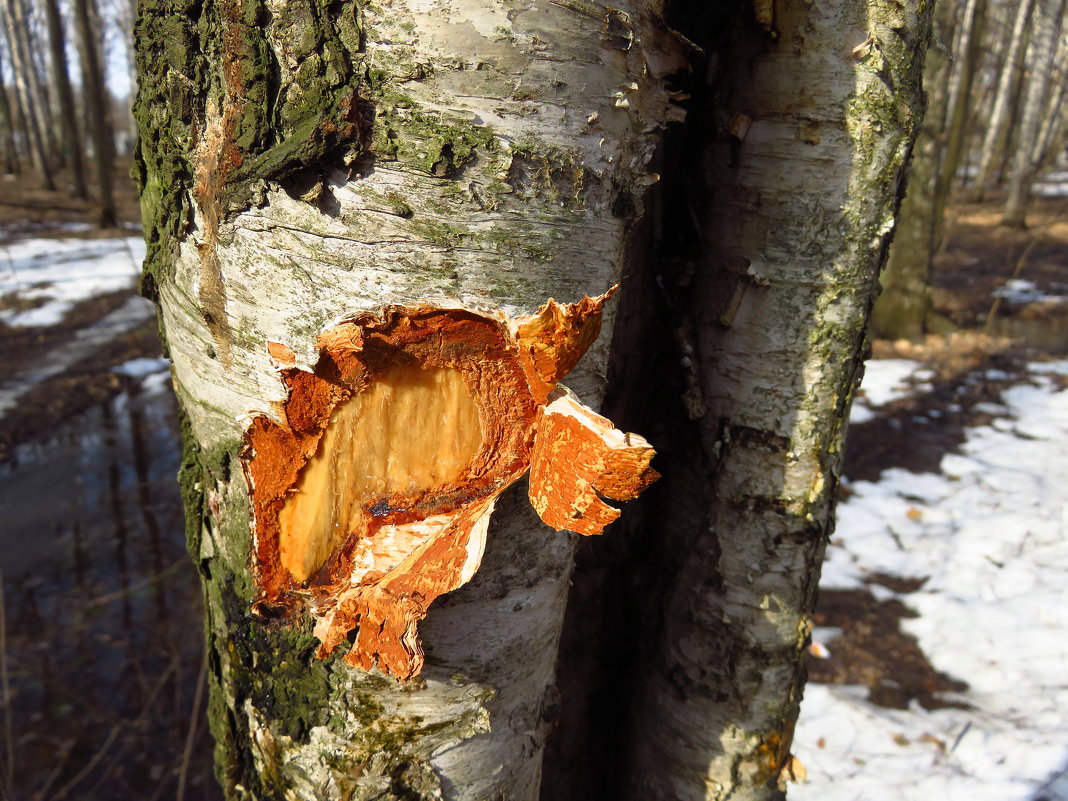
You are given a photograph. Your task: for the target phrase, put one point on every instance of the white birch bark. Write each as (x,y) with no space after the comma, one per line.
(504,161)
(1053,117)
(507,156)
(1047,26)
(805,197)
(960,103)
(998,125)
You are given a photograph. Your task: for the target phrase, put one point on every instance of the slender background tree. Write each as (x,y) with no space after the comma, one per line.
(99,115)
(68,118)
(53,75)
(1048,20)
(995,87)
(27,84)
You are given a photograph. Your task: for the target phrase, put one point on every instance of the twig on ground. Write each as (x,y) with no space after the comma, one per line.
(960,736)
(194,719)
(114,596)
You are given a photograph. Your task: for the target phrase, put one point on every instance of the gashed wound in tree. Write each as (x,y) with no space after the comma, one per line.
(372,489)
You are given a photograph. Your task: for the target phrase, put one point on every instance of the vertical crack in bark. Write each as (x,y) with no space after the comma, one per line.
(373,497)
(217,156)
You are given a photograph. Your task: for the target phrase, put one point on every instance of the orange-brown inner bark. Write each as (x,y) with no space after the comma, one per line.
(411,429)
(373,482)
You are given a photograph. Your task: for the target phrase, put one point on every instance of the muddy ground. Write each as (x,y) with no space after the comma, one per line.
(99,622)
(100,605)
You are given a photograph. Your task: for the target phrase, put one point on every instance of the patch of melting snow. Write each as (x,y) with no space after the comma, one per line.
(1019,290)
(1053,184)
(990,531)
(156,383)
(15,228)
(155,374)
(885,381)
(55,274)
(142,367)
(134,312)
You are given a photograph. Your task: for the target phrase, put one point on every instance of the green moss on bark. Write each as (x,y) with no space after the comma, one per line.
(195,57)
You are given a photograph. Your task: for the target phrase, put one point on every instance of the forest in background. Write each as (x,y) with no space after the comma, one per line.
(996,119)
(65,84)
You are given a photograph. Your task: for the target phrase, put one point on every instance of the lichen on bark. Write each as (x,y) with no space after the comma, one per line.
(197,60)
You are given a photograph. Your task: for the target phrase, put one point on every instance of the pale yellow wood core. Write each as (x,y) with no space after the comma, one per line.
(411,430)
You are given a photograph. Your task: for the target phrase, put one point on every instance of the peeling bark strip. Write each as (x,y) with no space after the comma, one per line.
(373,497)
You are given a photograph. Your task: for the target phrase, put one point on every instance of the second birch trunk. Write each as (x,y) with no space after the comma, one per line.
(1047,26)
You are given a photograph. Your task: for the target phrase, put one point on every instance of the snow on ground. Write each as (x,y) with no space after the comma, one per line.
(142,367)
(55,274)
(155,374)
(885,381)
(81,345)
(989,532)
(1018,290)
(1054,184)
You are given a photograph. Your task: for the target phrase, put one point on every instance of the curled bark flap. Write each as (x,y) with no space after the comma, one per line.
(579,456)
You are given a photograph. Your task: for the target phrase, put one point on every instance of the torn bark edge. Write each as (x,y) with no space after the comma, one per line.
(511,367)
(552,341)
(580,457)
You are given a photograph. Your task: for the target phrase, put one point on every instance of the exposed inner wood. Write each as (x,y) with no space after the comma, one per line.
(411,430)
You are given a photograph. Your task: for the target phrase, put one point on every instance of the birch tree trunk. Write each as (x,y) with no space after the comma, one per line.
(1047,27)
(7,135)
(959,103)
(36,34)
(1054,136)
(302,162)
(68,116)
(27,90)
(771,307)
(997,129)
(96,103)
(1054,115)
